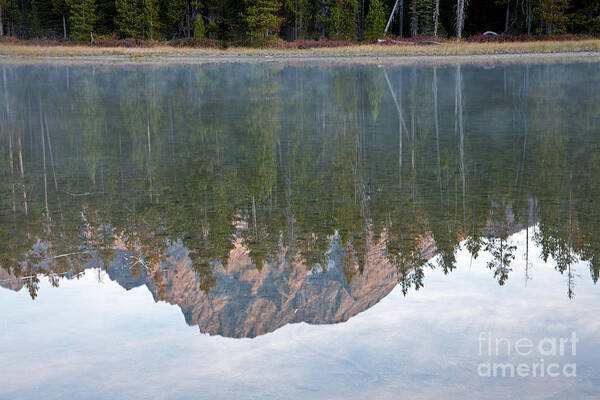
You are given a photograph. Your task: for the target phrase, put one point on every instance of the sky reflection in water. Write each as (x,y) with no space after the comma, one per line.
(331,231)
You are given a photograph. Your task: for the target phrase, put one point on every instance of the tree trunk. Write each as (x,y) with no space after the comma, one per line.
(529,17)
(187,23)
(506,22)
(414,18)
(401,18)
(361,21)
(1,23)
(460,12)
(391,18)
(436,17)
(64,27)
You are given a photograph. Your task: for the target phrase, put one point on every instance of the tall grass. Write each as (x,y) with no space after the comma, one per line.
(447,48)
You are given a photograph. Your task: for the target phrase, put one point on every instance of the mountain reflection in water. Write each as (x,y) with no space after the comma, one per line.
(253,196)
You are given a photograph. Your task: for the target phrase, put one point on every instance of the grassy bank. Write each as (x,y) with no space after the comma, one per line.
(369,50)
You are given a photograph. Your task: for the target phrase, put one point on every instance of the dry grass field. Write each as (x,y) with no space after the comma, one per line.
(447,48)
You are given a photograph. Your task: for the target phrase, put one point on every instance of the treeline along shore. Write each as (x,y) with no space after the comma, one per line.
(304,23)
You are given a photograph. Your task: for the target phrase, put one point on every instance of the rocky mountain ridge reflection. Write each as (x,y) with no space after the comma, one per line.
(253,196)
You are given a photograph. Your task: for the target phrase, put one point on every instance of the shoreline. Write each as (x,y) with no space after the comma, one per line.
(508,58)
(447,53)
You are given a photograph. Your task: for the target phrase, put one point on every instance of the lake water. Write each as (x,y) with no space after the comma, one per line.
(297,230)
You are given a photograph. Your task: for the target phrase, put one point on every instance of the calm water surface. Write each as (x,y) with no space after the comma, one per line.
(283,231)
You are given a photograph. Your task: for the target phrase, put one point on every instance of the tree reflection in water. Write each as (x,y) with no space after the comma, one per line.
(314,189)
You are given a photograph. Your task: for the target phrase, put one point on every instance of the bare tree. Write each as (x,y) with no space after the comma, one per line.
(414,19)
(528,15)
(398,3)
(460,18)
(507,20)
(436,17)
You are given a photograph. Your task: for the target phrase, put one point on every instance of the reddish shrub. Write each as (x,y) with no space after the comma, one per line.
(481,38)
(129,42)
(36,41)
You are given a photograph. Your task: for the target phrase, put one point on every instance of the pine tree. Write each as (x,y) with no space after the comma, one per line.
(585,16)
(422,13)
(335,20)
(199,29)
(350,19)
(375,20)
(297,12)
(414,18)
(551,14)
(151,20)
(343,19)
(262,20)
(183,13)
(129,19)
(3,5)
(426,15)
(61,7)
(82,19)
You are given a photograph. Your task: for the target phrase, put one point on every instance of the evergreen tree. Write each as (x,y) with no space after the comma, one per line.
(129,19)
(296,12)
(585,16)
(375,20)
(3,6)
(82,19)
(106,15)
(151,20)
(262,20)
(259,21)
(182,14)
(335,20)
(199,28)
(343,19)
(425,17)
(551,14)
(350,19)
(61,7)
